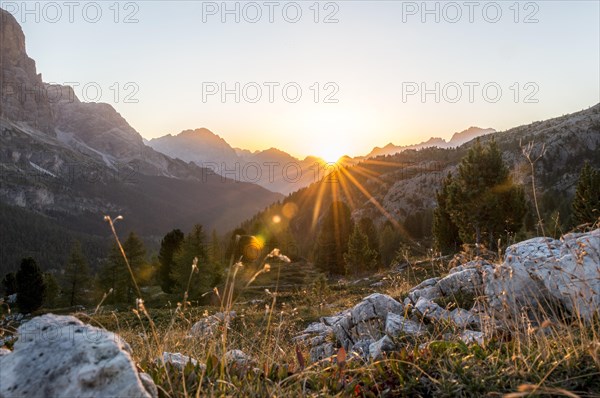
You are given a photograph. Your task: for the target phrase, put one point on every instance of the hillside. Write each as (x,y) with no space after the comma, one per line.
(401,188)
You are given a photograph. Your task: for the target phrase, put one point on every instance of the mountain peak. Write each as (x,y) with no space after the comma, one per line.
(274,150)
(19,72)
(467,135)
(13,38)
(200,134)
(198,131)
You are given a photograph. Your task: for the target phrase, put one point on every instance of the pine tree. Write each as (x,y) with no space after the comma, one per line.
(9,283)
(114,277)
(360,257)
(52,290)
(30,286)
(368,228)
(288,245)
(389,241)
(445,231)
(115,274)
(168,247)
(206,277)
(136,255)
(586,203)
(76,277)
(215,252)
(332,241)
(482,201)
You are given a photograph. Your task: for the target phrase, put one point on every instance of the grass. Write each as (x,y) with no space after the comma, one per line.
(557,357)
(553,359)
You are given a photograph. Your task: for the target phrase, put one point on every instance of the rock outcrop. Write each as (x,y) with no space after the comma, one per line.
(543,272)
(60,356)
(536,275)
(359,328)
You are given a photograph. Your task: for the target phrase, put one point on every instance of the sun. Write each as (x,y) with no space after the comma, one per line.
(334,132)
(330,155)
(331,149)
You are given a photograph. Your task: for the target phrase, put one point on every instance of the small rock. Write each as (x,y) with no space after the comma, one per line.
(471,336)
(430,310)
(178,360)
(433,312)
(301,337)
(375,306)
(428,292)
(361,348)
(321,352)
(426,283)
(317,327)
(475,264)
(239,358)
(208,326)
(396,325)
(463,318)
(332,320)
(342,331)
(318,340)
(466,281)
(376,349)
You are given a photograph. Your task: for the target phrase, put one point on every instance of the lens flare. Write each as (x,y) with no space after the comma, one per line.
(289,210)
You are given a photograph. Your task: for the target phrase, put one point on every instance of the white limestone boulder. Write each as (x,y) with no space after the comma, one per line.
(543,271)
(60,356)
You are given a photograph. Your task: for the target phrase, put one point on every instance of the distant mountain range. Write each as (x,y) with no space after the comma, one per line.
(275,169)
(457,139)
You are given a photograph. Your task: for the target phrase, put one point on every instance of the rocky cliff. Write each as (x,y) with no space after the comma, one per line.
(23,93)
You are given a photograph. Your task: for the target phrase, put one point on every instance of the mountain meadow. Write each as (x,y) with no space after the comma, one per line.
(184,266)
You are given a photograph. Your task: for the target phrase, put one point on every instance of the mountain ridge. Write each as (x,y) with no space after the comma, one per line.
(457,139)
(271,168)
(204,147)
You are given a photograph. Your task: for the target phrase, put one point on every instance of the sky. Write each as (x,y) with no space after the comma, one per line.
(320,78)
